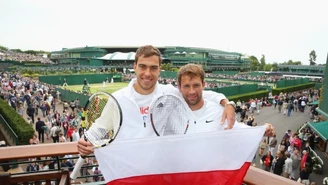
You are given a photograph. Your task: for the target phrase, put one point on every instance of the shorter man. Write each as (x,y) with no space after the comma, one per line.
(191,82)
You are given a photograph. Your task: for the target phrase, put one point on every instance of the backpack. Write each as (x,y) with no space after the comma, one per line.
(58,130)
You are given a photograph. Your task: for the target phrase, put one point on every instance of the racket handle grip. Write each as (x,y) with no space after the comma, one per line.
(77,168)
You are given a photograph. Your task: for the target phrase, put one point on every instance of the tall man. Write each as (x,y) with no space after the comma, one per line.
(136,98)
(39,127)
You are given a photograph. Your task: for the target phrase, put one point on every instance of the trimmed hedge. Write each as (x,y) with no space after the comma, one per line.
(247,96)
(294,88)
(265,93)
(23,130)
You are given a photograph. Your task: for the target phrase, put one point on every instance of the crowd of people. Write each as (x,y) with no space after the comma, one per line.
(21,57)
(38,103)
(290,157)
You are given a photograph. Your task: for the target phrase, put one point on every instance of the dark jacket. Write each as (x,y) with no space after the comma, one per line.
(30,110)
(279,165)
(39,125)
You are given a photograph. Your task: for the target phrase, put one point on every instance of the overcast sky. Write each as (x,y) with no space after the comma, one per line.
(279,29)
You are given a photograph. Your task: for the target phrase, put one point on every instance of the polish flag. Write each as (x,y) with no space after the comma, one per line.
(213,158)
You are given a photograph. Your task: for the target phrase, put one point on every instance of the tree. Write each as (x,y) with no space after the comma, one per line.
(313,58)
(3,48)
(268,67)
(17,50)
(275,66)
(255,64)
(262,65)
(166,67)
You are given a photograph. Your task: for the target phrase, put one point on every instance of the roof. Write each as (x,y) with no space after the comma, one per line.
(320,128)
(314,103)
(119,56)
(80,49)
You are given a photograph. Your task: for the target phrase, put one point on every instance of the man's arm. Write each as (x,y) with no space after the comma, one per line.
(229,110)
(228,113)
(229,107)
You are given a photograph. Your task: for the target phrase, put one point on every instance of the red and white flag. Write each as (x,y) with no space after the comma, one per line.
(214,158)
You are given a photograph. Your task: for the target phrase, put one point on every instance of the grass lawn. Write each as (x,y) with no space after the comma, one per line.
(110,88)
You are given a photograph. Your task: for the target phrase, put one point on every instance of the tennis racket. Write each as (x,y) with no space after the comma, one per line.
(170,115)
(106,127)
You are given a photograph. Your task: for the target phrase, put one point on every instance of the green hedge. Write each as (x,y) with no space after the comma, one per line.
(247,96)
(23,130)
(294,88)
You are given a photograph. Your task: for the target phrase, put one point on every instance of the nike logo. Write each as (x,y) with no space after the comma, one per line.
(209,121)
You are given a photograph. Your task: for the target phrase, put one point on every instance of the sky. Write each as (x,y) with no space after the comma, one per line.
(281,30)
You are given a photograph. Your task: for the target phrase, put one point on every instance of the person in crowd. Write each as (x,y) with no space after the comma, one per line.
(305,174)
(30,112)
(273,143)
(279,162)
(288,167)
(266,161)
(34,140)
(32,167)
(290,107)
(263,146)
(40,127)
(54,131)
(296,158)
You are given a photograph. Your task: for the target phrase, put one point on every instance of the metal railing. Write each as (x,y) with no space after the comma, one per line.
(8,132)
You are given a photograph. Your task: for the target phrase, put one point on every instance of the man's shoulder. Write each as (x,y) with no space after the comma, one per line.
(121,92)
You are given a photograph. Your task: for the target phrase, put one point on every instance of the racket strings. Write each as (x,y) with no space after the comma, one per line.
(105,130)
(169,116)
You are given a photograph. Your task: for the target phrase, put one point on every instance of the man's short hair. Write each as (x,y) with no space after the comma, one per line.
(148,51)
(192,70)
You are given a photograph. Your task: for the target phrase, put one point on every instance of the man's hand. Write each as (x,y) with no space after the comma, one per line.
(229,114)
(269,131)
(84,147)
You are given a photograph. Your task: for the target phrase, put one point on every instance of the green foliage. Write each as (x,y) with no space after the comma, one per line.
(293,88)
(247,96)
(313,57)
(275,66)
(3,48)
(166,67)
(268,67)
(17,50)
(263,63)
(255,64)
(175,69)
(23,130)
(291,62)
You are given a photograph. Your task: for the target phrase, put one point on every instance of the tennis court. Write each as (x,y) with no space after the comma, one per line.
(109,87)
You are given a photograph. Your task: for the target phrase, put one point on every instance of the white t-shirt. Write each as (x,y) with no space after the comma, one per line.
(143,102)
(208,119)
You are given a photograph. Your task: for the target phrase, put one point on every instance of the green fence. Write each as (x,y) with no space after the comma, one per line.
(68,96)
(168,74)
(318,86)
(288,83)
(79,79)
(226,72)
(236,90)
